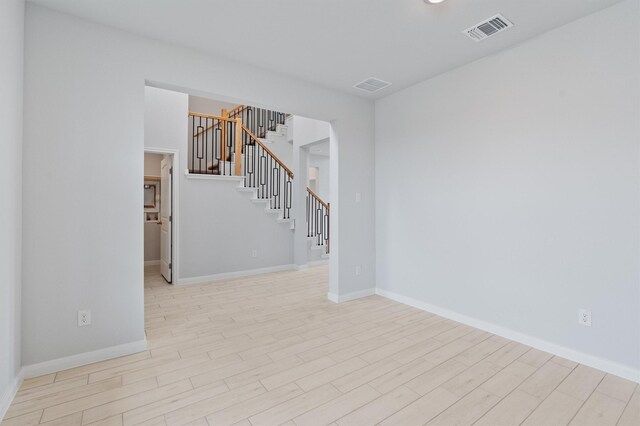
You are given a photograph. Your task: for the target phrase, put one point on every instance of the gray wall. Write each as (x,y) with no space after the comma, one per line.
(209,106)
(152,230)
(11,85)
(152,163)
(11,79)
(69,63)
(151,242)
(515,198)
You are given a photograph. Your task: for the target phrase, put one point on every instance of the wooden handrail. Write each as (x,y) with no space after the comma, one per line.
(314,195)
(215,117)
(256,140)
(219,119)
(237,109)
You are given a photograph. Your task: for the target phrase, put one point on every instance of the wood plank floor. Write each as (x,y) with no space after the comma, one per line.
(271,350)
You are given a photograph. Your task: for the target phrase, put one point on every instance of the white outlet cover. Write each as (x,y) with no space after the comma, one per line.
(584,317)
(358,270)
(254,253)
(84,318)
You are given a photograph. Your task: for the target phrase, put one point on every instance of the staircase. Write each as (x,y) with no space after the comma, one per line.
(317,215)
(235,144)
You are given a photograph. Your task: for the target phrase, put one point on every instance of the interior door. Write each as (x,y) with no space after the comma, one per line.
(166,202)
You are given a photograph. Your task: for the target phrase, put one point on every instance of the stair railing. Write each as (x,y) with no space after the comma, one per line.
(318,218)
(259,121)
(225,146)
(266,173)
(213,145)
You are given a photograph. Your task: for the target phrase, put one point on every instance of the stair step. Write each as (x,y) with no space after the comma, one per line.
(261,200)
(272,136)
(245,189)
(272,211)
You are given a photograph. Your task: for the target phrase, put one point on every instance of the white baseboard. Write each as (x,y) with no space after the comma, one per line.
(335,298)
(151,262)
(10,393)
(312,264)
(236,274)
(543,345)
(85,358)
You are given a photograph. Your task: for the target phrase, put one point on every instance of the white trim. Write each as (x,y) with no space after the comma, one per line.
(85,358)
(583,358)
(10,393)
(312,264)
(212,177)
(336,298)
(151,262)
(175,223)
(236,274)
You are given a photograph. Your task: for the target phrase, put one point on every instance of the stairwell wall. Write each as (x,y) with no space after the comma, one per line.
(85,83)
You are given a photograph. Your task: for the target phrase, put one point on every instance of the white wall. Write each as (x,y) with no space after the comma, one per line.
(508,190)
(69,64)
(209,106)
(309,130)
(11,85)
(322,162)
(219,227)
(281,149)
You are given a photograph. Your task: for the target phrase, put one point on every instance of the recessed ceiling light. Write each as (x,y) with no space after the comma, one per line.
(433,1)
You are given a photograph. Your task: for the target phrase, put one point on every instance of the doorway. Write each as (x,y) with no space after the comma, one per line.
(158,213)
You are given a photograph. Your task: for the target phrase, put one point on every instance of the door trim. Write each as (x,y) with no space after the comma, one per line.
(175,206)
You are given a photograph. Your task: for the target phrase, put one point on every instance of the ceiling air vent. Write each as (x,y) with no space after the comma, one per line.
(486,29)
(372,85)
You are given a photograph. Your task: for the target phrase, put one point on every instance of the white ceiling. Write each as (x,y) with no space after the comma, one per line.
(335,43)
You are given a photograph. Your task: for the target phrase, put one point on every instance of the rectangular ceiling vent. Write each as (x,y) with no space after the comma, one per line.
(372,85)
(488,28)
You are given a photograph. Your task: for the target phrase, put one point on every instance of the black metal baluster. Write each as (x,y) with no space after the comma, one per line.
(307,211)
(193,133)
(288,191)
(218,145)
(200,133)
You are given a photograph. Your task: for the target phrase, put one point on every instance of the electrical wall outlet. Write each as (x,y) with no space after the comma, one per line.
(358,270)
(254,253)
(584,317)
(84,318)
(358,197)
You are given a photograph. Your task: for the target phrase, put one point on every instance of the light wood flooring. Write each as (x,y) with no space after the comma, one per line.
(271,350)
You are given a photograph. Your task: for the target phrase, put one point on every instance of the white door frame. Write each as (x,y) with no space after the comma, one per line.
(175,205)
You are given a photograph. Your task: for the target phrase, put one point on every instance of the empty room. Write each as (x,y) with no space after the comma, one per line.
(303,212)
